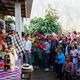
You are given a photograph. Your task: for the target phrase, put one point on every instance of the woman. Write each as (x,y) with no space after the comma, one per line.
(74,56)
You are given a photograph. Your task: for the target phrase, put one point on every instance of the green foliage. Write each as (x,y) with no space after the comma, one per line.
(48,24)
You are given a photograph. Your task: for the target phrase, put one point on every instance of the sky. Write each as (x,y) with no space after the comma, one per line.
(68,12)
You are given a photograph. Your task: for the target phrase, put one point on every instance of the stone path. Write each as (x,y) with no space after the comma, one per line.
(41,75)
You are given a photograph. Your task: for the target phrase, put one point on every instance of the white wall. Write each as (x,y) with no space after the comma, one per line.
(68,11)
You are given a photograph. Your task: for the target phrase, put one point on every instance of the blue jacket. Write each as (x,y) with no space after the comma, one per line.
(61,58)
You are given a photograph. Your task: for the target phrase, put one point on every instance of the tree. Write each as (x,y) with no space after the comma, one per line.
(48,24)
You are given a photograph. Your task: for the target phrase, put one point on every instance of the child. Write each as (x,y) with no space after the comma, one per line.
(68,68)
(60,60)
(74,55)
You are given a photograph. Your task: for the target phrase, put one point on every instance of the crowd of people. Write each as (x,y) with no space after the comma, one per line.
(59,52)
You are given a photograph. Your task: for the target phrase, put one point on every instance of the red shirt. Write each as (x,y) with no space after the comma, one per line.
(41,46)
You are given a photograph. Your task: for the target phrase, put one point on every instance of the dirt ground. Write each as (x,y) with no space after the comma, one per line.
(41,75)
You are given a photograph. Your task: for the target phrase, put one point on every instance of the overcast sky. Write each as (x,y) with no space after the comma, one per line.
(68,11)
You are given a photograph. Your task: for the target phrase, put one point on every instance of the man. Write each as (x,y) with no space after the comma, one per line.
(46,55)
(14,39)
(28,46)
(54,44)
(68,46)
(23,42)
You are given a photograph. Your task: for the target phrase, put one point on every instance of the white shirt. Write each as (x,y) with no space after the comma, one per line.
(47,47)
(74,53)
(28,45)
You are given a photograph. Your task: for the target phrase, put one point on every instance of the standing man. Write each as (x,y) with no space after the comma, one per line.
(46,55)
(28,46)
(23,42)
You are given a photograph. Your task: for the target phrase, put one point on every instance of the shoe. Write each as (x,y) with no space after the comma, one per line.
(51,67)
(46,69)
(37,67)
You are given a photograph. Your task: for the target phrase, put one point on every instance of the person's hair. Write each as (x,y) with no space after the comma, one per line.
(74,32)
(59,47)
(74,45)
(68,56)
(75,39)
(46,39)
(23,34)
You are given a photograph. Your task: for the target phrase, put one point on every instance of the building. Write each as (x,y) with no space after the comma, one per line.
(17,8)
